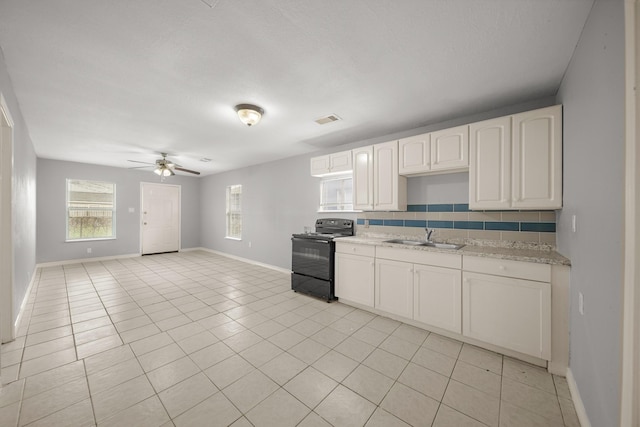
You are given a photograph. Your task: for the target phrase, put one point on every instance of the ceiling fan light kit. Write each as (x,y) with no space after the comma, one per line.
(163,167)
(249,114)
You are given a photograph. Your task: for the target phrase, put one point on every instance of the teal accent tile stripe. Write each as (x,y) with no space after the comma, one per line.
(537,227)
(502,226)
(540,227)
(416,208)
(415,223)
(440,224)
(440,208)
(468,225)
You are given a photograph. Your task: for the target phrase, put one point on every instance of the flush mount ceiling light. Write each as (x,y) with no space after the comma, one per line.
(249,114)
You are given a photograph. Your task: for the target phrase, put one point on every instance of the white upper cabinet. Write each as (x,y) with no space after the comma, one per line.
(446,150)
(490,166)
(376,183)
(537,159)
(516,161)
(363,178)
(331,164)
(415,154)
(450,149)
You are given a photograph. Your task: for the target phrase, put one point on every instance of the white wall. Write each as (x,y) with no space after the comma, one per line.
(52,176)
(592,92)
(24,195)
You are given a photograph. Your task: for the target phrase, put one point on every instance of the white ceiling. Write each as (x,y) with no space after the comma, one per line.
(106,81)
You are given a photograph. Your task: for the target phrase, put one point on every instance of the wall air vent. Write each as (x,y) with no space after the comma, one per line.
(327,119)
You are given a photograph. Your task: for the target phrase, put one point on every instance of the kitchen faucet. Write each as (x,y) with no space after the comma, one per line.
(428,234)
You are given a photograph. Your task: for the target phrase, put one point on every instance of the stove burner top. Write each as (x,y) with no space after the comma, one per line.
(329,229)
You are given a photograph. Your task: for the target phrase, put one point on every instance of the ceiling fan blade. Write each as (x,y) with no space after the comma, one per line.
(140,167)
(186,170)
(136,161)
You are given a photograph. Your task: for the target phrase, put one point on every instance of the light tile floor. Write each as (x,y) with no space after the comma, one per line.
(195,339)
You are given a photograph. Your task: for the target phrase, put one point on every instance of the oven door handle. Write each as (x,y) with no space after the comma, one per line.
(309,240)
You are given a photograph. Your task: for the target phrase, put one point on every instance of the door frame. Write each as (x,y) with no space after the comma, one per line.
(7,326)
(142,184)
(630,366)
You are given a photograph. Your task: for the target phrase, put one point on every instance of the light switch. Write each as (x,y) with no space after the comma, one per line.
(580,303)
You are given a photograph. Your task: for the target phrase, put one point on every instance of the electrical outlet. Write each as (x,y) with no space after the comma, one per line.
(580,303)
(132,210)
(573,223)
(88,250)
(366,223)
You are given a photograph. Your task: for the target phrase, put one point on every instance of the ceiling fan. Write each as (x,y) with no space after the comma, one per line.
(164,167)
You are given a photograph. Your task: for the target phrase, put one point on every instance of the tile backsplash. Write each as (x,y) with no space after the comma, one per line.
(457,221)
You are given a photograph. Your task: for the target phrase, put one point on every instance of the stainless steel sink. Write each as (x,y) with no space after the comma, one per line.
(430,244)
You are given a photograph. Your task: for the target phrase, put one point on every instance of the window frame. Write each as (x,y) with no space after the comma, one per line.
(349,203)
(230,212)
(68,209)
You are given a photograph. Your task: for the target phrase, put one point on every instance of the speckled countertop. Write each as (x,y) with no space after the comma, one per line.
(542,254)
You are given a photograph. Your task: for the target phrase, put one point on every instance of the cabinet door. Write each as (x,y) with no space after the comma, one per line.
(490,164)
(363,178)
(537,159)
(340,162)
(394,287)
(389,188)
(415,154)
(450,148)
(437,297)
(511,313)
(320,166)
(355,278)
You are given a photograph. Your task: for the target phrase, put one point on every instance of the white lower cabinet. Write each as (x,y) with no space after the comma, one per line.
(437,297)
(394,287)
(508,312)
(500,302)
(423,286)
(354,276)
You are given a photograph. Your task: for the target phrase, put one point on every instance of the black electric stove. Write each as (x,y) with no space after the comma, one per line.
(313,257)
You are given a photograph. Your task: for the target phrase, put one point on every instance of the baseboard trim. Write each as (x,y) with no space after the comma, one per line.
(577,400)
(16,324)
(81,260)
(238,258)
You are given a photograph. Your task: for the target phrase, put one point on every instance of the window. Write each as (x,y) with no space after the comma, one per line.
(336,193)
(91,210)
(234,212)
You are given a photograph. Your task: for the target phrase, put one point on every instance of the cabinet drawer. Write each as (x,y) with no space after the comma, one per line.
(420,257)
(508,268)
(349,248)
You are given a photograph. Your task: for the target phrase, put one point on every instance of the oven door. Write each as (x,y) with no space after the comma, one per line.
(312,257)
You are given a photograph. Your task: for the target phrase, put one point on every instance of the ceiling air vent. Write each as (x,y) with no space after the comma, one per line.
(327,119)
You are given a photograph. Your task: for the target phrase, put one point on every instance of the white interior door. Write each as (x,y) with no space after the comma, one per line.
(160,218)
(6,247)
